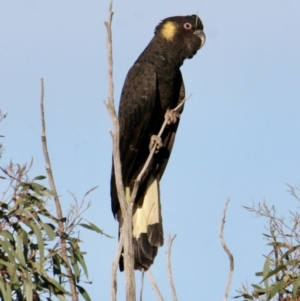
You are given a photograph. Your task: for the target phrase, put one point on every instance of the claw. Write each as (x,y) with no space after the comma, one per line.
(172,117)
(155,141)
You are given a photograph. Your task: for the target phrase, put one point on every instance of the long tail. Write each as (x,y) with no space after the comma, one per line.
(147,226)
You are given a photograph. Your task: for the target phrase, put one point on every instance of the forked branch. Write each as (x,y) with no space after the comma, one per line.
(115,268)
(126,209)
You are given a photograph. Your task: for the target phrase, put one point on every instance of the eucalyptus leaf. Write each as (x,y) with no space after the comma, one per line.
(296,287)
(19,250)
(83,293)
(49,230)
(266,272)
(93,227)
(275,271)
(4,291)
(61,297)
(277,287)
(28,289)
(7,235)
(39,178)
(80,258)
(74,264)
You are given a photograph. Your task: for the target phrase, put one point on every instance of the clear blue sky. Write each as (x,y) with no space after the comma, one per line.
(238,137)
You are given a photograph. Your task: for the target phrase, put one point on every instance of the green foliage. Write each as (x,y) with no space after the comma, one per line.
(280,277)
(31,265)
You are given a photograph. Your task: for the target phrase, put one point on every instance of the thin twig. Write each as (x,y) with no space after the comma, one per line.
(114,269)
(231,259)
(126,211)
(142,285)
(170,274)
(141,174)
(154,286)
(61,229)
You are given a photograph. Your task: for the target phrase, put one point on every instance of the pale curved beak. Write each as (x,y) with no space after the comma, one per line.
(200,34)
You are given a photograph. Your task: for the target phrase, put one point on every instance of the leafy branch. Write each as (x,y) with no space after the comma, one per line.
(40,251)
(280,277)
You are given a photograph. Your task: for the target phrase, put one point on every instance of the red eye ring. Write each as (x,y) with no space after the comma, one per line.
(187,26)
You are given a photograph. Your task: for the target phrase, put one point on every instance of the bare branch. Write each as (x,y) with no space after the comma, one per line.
(154,286)
(112,112)
(231,259)
(126,210)
(141,174)
(142,286)
(181,103)
(61,229)
(115,268)
(170,274)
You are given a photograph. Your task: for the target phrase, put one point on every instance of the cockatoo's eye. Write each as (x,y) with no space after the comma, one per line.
(187,26)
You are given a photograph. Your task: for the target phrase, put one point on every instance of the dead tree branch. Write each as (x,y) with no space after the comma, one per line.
(154,286)
(126,209)
(170,274)
(142,285)
(140,176)
(231,259)
(114,285)
(61,228)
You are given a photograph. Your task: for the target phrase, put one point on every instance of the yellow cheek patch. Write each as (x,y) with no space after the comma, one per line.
(168,30)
